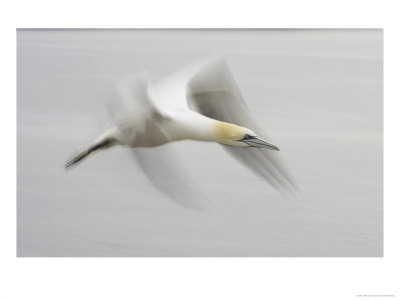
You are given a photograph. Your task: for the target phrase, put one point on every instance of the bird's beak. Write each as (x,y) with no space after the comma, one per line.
(258,143)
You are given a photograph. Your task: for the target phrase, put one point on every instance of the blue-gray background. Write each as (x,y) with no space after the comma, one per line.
(318,93)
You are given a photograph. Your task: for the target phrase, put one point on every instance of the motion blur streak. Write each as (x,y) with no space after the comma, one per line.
(318,93)
(160,114)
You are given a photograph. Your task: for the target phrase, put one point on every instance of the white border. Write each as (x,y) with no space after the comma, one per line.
(197,278)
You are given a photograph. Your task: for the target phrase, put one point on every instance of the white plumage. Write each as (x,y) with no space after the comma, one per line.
(199,102)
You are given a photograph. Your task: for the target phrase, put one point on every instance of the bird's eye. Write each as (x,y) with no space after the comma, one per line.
(247,137)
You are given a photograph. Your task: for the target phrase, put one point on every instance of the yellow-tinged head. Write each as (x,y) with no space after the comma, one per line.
(238,136)
(231,132)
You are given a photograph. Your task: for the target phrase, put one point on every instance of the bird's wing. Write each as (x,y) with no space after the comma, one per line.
(217,96)
(132,112)
(129,108)
(167,173)
(170,92)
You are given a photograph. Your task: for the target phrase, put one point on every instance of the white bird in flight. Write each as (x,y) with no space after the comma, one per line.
(200,102)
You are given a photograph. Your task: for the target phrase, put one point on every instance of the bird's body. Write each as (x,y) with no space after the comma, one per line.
(200,102)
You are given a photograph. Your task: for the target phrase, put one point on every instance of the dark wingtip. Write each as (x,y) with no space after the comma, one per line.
(68,164)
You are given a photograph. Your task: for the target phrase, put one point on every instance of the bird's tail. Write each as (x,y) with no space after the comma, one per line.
(96,146)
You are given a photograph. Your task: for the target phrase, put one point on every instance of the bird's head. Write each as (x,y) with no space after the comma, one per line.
(237,136)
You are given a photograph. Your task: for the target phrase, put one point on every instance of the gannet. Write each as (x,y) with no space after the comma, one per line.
(199,102)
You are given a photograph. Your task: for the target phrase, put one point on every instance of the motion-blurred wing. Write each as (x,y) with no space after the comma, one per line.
(130,108)
(132,111)
(168,175)
(217,96)
(170,92)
